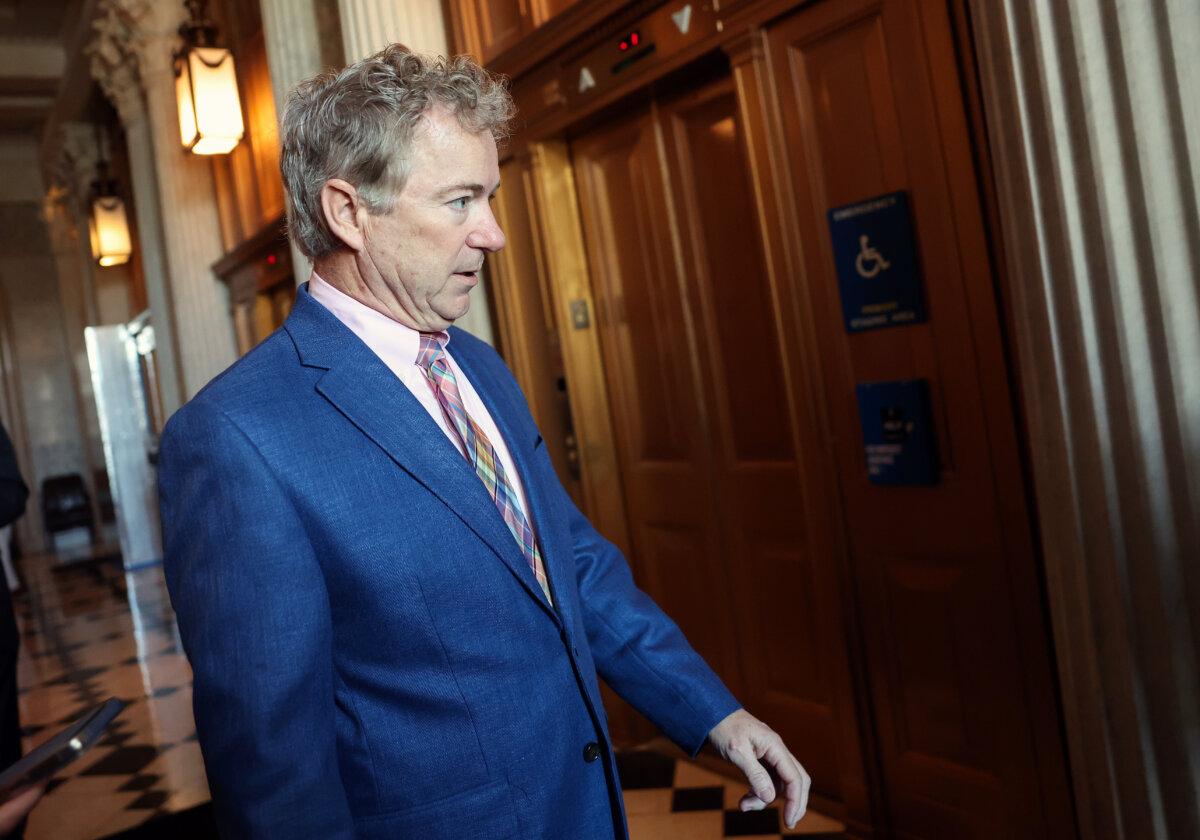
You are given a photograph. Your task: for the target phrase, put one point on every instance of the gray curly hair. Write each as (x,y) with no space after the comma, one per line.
(357,124)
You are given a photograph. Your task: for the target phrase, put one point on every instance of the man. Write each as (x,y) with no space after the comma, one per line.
(13,495)
(394,613)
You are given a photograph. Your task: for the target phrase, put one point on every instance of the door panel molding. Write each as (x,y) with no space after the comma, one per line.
(861,118)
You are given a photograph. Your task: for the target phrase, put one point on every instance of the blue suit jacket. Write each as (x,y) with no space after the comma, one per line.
(372,654)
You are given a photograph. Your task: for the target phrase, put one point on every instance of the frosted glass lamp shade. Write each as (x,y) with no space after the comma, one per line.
(210,112)
(109,230)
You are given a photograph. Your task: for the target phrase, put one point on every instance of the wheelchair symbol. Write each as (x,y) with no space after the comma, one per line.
(869,261)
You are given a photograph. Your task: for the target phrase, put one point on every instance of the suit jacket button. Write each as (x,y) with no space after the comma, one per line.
(591,752)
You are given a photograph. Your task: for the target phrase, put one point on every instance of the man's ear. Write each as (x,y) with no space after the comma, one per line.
(344,212)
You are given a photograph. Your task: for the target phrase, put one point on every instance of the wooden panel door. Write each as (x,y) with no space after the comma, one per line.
(707,440)
(489,27)
(956,643)
(658,422)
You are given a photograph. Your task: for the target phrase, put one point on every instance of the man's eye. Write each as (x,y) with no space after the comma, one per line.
(460,203)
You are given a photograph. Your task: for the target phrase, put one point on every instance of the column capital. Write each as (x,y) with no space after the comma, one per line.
(69,165)
(113,54)
(131,43)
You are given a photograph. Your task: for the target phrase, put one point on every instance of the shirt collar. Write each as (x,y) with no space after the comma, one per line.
(395,343)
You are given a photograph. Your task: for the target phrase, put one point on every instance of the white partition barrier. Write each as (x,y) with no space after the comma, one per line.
(116,355)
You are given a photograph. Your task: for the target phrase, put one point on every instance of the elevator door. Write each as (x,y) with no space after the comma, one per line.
(708,442)
(957,652)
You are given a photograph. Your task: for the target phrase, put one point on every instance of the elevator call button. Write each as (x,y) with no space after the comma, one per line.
(897,427)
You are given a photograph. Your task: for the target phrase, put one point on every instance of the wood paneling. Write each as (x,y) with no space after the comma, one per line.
(262,127)
(956,652)
(825,552)
(500,24)
(895,636)
(648,354)
(546,9)
(258,274)
(249,188)
(489,28)
(257,264)
(707,439)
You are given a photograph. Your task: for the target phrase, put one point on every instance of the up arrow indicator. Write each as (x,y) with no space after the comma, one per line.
(586,81)
(683,18)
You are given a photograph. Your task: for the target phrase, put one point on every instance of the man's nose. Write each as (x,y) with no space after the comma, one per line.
(487,235)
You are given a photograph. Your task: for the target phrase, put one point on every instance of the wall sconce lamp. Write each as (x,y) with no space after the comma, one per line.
(210,112)
(107,224)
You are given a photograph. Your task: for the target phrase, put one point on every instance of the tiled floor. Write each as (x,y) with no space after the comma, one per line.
(91,631)
(669,799)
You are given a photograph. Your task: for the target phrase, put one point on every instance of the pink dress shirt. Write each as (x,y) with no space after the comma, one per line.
(397,345)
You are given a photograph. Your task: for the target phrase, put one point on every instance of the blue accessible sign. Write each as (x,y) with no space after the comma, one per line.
(876,258)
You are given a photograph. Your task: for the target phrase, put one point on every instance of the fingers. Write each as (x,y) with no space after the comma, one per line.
(761,787)
(750,802)
(795,781)
(797,794)
(758,752)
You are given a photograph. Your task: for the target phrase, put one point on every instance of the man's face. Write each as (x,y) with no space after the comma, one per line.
(425,255)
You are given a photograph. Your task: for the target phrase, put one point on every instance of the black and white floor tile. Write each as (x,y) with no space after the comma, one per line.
(92,631)
(672,799)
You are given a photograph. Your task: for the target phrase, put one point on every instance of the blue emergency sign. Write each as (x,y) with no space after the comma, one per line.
(876,258)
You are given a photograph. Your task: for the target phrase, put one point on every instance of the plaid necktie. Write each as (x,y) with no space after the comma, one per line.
(480,452)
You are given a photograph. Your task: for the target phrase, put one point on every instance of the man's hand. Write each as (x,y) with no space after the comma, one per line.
(17,808)
(758,752)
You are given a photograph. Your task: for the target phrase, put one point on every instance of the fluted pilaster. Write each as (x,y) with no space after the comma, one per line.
(1093,124)
(290,28)
(370,25)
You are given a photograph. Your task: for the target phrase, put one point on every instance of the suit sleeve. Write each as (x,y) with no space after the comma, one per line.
(255,621)
(638,649)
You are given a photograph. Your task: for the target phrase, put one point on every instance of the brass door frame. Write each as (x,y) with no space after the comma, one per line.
(560,229)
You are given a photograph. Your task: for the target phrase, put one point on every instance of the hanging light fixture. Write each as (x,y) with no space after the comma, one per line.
(210,112)
(108,226)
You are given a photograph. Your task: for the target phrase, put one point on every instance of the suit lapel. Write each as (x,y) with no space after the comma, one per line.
(370,396)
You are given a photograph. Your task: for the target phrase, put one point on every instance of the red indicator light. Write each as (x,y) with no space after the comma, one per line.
(624,46)
(633,39)
(271,259)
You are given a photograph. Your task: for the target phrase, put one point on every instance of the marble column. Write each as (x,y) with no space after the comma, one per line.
(290,29)
(370,25)
(174,191)
(65,211)
(1094,133)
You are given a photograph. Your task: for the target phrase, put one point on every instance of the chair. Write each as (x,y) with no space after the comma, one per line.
(66,506)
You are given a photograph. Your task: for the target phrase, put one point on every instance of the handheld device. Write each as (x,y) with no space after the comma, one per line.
(59,751)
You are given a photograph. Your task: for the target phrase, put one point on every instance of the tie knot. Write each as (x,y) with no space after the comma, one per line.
(431,350)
